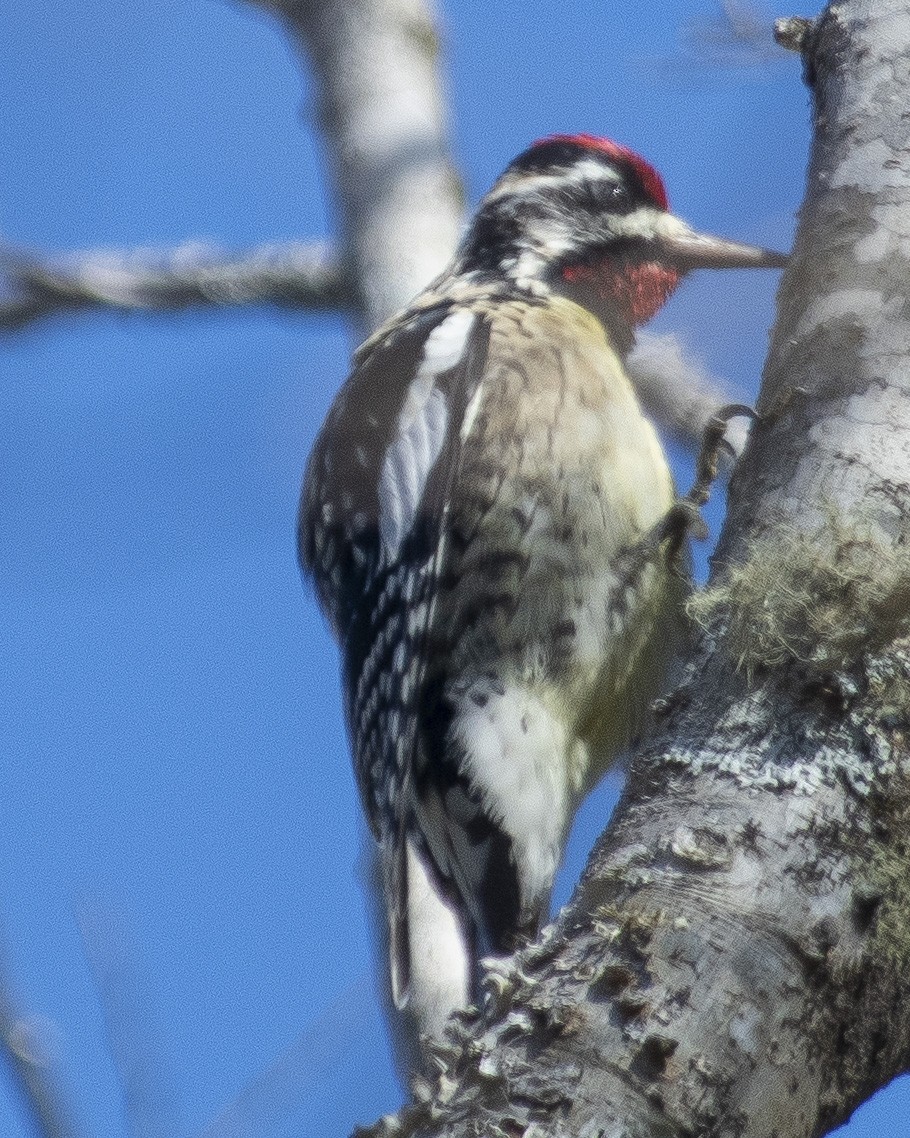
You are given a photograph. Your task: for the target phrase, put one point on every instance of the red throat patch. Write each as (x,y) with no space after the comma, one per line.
(638,291)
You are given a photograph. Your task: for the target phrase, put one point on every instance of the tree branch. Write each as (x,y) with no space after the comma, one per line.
(295,275)
(673,388)
(138,1058)
(677,392)
(381,113)
(33,1080)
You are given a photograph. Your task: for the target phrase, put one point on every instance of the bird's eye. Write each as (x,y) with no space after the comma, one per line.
(600,195)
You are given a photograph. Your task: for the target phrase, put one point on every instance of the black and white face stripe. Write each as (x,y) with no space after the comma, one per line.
(587,182)
(559,204)
(563,152)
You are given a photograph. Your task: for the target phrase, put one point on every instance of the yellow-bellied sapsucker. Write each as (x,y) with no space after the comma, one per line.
(465,514)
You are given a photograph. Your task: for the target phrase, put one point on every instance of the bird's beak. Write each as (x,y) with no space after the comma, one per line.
(686,249)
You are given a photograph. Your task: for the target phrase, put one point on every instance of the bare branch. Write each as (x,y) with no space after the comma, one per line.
(381,112)
(138,1058)
(284,1088)
(675,390)
(34,1080)
(678,393)
(738,36)
(298,274)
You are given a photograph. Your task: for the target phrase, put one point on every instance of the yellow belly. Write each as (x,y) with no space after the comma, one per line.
(560,474)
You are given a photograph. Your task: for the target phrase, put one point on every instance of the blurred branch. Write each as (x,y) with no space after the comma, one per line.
(32,1077)
(740,32)
(288,1086)
(297,274)
(674,389)
(678,393)
(381,111)
(739,35)
(139,1061)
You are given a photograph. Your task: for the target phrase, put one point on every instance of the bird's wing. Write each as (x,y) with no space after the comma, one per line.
(372,536)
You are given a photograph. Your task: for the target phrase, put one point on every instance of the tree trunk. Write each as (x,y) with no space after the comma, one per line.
(736,958)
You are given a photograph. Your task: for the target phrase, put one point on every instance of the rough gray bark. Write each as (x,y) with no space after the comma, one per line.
(735,960)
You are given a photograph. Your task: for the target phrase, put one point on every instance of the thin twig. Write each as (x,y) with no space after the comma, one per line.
(138,1057)
(38,1089)
(297,274)
(287,1086)
(740,35)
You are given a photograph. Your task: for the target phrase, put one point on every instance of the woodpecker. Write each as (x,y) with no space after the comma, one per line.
(466,520)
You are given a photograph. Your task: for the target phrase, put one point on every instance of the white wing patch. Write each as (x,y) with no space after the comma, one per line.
(422,424)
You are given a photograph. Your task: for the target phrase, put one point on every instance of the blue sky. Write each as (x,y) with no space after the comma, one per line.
(175,774)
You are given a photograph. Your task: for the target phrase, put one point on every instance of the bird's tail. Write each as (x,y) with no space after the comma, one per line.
(431,950)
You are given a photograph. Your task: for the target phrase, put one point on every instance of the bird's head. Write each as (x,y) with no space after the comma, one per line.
(587,216)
